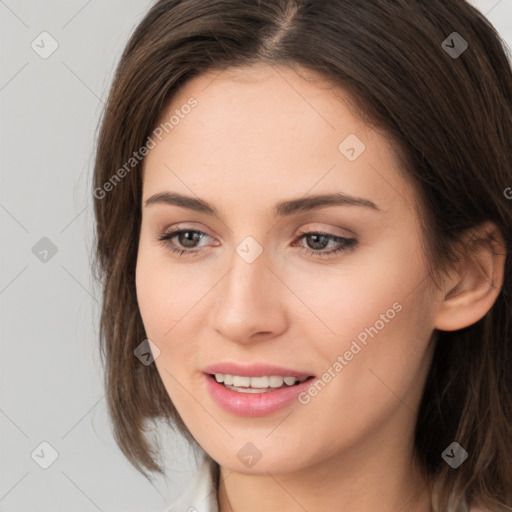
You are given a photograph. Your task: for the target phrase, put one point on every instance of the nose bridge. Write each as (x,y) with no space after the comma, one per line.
(247,301)
(248,273)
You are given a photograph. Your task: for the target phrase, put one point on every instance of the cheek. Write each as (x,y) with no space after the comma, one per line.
(373,290)
(379,357)
(150,298)
(380,321)
(164,291)
(163,301)
(172,304)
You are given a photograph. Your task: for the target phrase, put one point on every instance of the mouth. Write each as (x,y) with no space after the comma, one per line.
(261,393)
(261,384)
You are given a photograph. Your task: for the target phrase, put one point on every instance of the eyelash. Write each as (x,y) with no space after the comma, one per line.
(348,244)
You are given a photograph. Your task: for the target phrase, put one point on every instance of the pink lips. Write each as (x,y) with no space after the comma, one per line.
(253,404)
(253,370)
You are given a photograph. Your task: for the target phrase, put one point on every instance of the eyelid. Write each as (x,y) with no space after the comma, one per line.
(184,226)
(347,233)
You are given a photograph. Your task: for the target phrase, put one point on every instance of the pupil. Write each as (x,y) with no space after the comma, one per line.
(188,236)
(322,245)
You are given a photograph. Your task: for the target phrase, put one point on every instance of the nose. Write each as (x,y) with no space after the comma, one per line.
(249,303)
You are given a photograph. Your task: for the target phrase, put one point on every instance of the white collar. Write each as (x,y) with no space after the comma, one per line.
(201,496)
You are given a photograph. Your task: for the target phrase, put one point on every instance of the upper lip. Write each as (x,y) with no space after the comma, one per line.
(253,370)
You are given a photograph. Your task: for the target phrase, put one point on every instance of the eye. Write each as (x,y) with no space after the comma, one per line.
(187,239)
(321,240)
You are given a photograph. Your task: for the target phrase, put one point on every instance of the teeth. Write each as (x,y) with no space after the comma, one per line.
(275,382)
(259,382)
(272,381)
(241,382)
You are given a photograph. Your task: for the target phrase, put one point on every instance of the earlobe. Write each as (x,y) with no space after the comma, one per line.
(472,290)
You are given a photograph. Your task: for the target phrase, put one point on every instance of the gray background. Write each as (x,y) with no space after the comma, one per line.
(50,374)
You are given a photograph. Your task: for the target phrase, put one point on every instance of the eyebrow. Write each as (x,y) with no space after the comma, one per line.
(281,209)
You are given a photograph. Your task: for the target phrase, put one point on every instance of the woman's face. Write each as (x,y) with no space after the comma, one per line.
(264,158)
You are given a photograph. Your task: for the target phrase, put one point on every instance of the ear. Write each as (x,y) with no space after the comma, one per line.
(471,290)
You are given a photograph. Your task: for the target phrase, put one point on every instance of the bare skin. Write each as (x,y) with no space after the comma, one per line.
(259,136)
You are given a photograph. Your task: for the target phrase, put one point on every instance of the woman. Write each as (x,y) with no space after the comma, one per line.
(303,225)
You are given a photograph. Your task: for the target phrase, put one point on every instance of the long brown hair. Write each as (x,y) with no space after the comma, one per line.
(450,117)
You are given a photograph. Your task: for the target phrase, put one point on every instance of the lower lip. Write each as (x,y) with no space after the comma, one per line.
(254,404)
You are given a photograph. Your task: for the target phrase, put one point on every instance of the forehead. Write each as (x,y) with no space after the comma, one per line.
(264,133)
